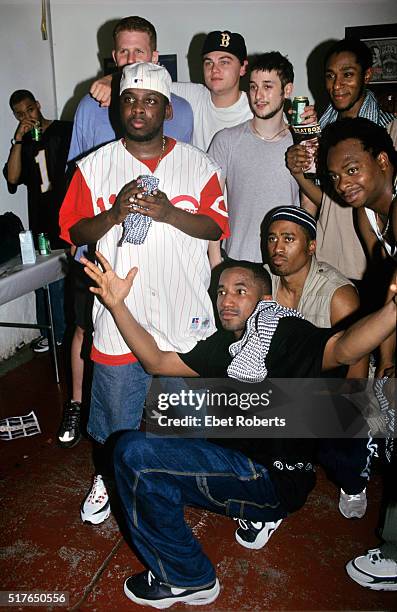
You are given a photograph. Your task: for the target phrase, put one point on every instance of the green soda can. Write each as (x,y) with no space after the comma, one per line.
(36,131)
(299,104)
(44,244)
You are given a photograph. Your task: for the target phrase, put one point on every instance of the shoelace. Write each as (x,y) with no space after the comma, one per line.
(375,556)
(355,497)
(94,491)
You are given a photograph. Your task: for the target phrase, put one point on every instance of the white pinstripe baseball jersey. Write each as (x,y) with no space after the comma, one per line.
(169,296)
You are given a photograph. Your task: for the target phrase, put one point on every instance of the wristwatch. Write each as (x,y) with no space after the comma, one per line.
(14,142)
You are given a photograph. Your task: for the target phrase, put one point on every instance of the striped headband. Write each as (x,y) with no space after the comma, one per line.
(296,215)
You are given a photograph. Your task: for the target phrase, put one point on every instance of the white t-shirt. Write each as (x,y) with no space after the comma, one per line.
(208,118)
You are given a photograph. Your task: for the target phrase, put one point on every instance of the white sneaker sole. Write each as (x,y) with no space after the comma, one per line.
(195,599)
(95,519)
(261,539)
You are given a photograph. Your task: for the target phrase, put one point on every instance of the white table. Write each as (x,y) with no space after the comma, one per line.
(17,279)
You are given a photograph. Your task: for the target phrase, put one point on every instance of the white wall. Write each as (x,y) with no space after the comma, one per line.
(294,27)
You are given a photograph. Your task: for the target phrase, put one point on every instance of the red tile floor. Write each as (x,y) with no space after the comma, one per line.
(45,547)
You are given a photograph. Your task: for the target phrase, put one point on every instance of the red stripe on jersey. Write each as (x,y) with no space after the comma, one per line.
(212,203)
(76,205)
(115,360)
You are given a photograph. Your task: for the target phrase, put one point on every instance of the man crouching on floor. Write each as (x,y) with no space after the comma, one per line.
(156,477)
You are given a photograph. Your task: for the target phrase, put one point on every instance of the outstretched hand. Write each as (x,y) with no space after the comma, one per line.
(111,289)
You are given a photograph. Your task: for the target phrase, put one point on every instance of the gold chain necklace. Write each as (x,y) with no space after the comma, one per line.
(272,137)
(161,153)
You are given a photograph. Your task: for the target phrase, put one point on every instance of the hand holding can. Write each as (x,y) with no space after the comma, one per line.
(36,132)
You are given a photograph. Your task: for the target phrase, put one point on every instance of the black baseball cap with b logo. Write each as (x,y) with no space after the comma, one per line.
(231,42)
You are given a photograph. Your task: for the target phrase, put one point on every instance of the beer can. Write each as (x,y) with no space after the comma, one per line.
(36,132)
(308,136)
(44,244)
(299,104)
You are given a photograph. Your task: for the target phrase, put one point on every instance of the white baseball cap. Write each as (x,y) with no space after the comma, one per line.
(145,75)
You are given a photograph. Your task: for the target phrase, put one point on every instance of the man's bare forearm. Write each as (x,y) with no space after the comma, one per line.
(14,164)
(214,253)
(365,335)
(91,229)
(139,341)
(198,226)
(310,190)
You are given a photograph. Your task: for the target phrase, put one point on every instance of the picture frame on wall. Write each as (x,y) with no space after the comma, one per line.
(382,41)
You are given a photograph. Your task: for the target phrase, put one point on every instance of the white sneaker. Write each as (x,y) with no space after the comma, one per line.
(96,507)
(353,506)
(40,345)
(374,571)
(254,535)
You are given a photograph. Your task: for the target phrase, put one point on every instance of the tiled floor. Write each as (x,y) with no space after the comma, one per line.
(45,547)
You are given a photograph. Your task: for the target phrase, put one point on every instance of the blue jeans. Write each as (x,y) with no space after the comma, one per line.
(156,477)
(58,309)
(117,398)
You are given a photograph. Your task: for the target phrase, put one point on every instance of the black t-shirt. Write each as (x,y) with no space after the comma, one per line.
(43,173)
(296,351)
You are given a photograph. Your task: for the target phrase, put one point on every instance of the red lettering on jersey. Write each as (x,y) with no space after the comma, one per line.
(112,199)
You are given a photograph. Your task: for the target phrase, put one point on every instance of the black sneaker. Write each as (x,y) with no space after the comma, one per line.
(254,535)
(146,590)
(69,433)
(40,345)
